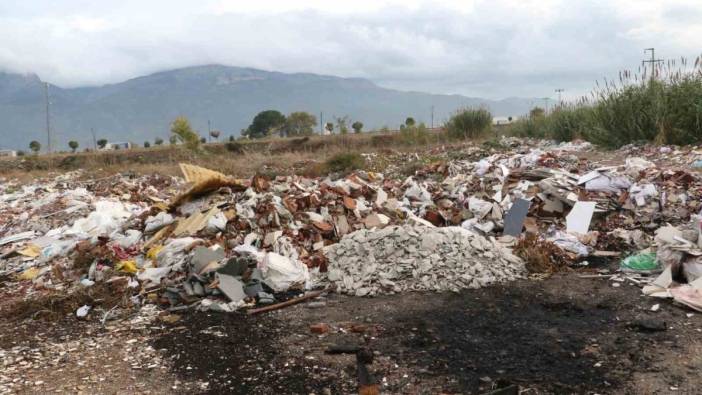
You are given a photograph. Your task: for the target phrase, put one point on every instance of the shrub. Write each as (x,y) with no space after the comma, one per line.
(345,162)
(569,122)
(667,110)
(528,127)
(469,123)
(233,146)
(415,135)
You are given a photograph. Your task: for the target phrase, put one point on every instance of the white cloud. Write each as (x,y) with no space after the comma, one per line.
(478,48)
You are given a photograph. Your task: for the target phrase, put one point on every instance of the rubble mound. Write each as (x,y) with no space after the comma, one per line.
(418,258)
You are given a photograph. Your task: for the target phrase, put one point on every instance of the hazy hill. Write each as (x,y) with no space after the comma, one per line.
(141,108)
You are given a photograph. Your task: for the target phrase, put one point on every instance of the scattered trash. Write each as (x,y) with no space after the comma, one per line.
(578,220)
(213,242)
(320,328)
(83,311)
(649,325)
(641,263)
(514,220)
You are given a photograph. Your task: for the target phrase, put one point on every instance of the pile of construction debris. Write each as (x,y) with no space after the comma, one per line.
(209,241)
(418,258)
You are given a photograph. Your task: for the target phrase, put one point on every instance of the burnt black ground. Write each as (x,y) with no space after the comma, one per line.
(527,337)
(563,335)
(237,354)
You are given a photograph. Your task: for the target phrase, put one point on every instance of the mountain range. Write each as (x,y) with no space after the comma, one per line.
(142,108)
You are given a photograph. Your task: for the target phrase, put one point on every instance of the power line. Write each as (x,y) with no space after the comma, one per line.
(559,91)
(48,122)
(653,61)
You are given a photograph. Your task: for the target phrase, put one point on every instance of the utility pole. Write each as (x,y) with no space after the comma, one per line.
(92,131)
(321,123)
(546,99)
(48,123)
(559,91)
(432,117)
(653,61)
(209,131)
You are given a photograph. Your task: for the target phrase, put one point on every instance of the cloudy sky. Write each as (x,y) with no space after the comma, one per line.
(490,49)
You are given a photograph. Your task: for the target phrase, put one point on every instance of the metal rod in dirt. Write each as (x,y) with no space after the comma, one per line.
(309,295)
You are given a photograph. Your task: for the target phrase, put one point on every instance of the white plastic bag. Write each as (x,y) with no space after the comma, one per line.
(281,273)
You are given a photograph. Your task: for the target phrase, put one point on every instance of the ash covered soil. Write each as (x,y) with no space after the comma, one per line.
(562,335)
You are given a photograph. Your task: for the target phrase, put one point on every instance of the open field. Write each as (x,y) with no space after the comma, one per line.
(240,158)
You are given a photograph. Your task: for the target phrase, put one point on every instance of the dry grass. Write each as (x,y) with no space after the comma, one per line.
(271,157)
(54,305)
(541,256)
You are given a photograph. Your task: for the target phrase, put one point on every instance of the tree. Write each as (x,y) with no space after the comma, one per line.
(409,122)
(357,126)
(181,129)
(158,141)
(509,119)
(299,123)
(74,145)
(265,123)
(329,126)
(231,138)
(102,143)
(342,124)
(215,134)
(147,144)
(203,140)
(20,153)
(35,146)
(173,140)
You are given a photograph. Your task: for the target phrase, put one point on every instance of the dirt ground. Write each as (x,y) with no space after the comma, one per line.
(561,335)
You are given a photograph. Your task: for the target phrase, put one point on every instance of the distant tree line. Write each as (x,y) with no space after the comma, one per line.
(265,123)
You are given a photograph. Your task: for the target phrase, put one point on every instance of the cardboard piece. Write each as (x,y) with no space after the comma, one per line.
(514,220)
(204,180)
(578,220)
(194,223)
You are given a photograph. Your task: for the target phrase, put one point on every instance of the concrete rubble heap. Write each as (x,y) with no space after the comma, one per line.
(418,258)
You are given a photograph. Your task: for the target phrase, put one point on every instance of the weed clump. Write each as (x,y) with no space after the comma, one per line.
(345,162)
(415,135)
(665,108)
(469,123)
